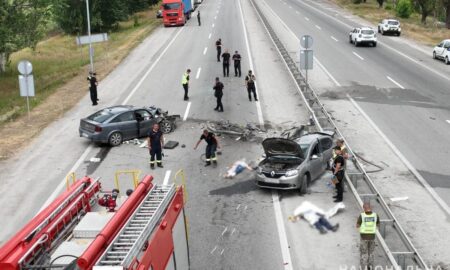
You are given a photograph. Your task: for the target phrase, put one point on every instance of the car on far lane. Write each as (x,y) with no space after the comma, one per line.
(442,51)
(294,163)
(116,124)
(363,35)
(389,26)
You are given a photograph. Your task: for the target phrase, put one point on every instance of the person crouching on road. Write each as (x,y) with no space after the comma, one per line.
(211,147)
(155,145)
(218,93)
(367,224)
(185,83)
(339,173)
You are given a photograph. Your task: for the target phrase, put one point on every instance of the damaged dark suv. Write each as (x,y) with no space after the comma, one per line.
(294,163)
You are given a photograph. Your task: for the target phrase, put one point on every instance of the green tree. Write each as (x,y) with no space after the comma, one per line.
(446,4)
(137,5)
(106,14)
(70,15)
(426,8)
(380,3)
(404,8)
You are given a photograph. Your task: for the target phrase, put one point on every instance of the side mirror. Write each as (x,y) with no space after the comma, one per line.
(313,157)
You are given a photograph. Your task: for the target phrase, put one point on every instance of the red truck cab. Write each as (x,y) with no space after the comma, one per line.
(175,12)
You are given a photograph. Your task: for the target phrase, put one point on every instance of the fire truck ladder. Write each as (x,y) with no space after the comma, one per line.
(133,236)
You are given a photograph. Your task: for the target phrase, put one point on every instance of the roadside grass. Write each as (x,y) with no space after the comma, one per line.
(429,34)
(60,68)
(58,59)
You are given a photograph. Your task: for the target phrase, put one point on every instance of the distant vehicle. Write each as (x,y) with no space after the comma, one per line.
(294,163)
(197,2)
(176,12)
(159,14)
(389,26)
(442,51)
(116,124)
(363,35)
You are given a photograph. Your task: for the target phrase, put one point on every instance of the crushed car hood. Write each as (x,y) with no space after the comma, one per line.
(281,146)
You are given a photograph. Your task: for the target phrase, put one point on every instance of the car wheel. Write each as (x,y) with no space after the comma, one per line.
(434,55)
(398,34)
(374,44)
(350,40)
(447,61)
(379,29)
(166,126)
(304,185)
(115,139)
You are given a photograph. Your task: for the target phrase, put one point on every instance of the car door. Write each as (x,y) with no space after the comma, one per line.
(145,121)
(127,125)
(315,159)
(326,147)
(439,49)
(446,49)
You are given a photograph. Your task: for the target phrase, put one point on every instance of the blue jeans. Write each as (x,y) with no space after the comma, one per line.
(323,222)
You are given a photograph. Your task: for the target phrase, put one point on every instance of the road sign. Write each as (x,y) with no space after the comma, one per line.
(25,67)
(82,40)
(26,85)
(306,41)
(306,59)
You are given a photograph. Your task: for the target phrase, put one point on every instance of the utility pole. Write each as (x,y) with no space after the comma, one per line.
(91,52)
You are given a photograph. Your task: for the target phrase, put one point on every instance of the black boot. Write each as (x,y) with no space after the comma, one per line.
(207,163)
(160,165)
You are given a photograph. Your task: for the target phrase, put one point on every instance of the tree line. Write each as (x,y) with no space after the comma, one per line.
(440,9)
(23,23)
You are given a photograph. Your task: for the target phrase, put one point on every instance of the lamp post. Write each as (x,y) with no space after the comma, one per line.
(91,52)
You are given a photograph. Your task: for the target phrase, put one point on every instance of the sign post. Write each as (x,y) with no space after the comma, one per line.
(26,82)
(306,55)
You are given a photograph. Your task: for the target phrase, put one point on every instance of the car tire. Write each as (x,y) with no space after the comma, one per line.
(166,126)
(434,55)
(374,44)
(447,61)
(304,185)
(350,40)
(115,139)
(379,30)
(398,34)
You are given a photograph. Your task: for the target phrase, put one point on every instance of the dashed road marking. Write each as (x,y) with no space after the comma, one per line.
(213,25)
(205,50)
(234,229)
(225,230)
(448,121)
(357,55)
(222,251)
(215,17)
(187,111)
(198,72)
(318,27)
(167,177)
(239,206)
(209,37)
(297,12)
(214,249)
(333,38)
(396,83)
(306,18)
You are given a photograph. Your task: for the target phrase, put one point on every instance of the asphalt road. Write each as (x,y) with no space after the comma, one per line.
(233,224)
(399,86)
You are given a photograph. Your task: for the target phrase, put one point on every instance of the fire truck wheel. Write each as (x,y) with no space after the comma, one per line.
(115,139)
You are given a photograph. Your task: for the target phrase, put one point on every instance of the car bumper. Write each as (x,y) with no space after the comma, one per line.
(366,40)
(94,137)
(282,182)
(392,30)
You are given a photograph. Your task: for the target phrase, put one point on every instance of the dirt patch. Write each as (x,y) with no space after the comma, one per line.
(16,134)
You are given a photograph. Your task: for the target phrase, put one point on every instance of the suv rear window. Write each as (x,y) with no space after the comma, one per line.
(367,32)
(100,116)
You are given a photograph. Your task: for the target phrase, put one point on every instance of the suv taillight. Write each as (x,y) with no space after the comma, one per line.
(98,129)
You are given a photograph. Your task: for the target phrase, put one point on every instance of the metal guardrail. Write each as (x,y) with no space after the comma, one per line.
(402,259)
(134,174)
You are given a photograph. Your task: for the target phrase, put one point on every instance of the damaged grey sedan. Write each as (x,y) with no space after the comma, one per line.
(294,163)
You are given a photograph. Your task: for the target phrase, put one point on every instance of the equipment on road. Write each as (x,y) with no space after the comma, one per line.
(176,12)
(75,231)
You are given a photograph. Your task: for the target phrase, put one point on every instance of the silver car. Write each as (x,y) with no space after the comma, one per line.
(116,124)
(294,164)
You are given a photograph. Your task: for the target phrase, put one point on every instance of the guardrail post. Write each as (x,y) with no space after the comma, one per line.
(354,177)
(383,223)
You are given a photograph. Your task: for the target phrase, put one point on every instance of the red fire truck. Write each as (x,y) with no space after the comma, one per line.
(82,229)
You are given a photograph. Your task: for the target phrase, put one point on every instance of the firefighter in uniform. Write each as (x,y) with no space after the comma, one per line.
(237,64)
(93,87)
(185,83)
(367,223)
(155,145)
(211,147)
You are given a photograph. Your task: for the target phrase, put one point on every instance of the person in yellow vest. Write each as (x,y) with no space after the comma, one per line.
(341,144)
(185,83)
(367,224)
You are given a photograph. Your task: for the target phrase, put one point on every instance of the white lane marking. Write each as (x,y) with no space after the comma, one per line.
(212,25)
(384,44)
(205,50)
(187,111)
(239,205)
(245,208)
(215,17)
(396,83)
(297,12)
(420,178)
(151,68)
(214,249)
(448,121)
(209,37)
(258,105)
(306,18)
(234,229)
(167,177)
(225,230)
(198,72)
(318,27)
(333,38)
(357,55)
(281,231)
(290,7)
(222,251)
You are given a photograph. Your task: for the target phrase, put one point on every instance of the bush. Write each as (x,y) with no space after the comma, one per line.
(388,7)
(357,1)
(404,9)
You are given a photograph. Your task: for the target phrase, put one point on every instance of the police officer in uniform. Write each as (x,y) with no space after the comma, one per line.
(211,147)
(185,83)
(226,63)
(93,87)
(251,87)
(218,93)
(338,170)
(155,145)
(367,224)
(198,18)
(219,49)
(237,64)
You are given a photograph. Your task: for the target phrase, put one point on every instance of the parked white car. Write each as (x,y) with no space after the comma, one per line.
(363,35)
(389,26)
(442,51)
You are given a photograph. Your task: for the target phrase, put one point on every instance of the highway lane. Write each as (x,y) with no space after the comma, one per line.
(407,99)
